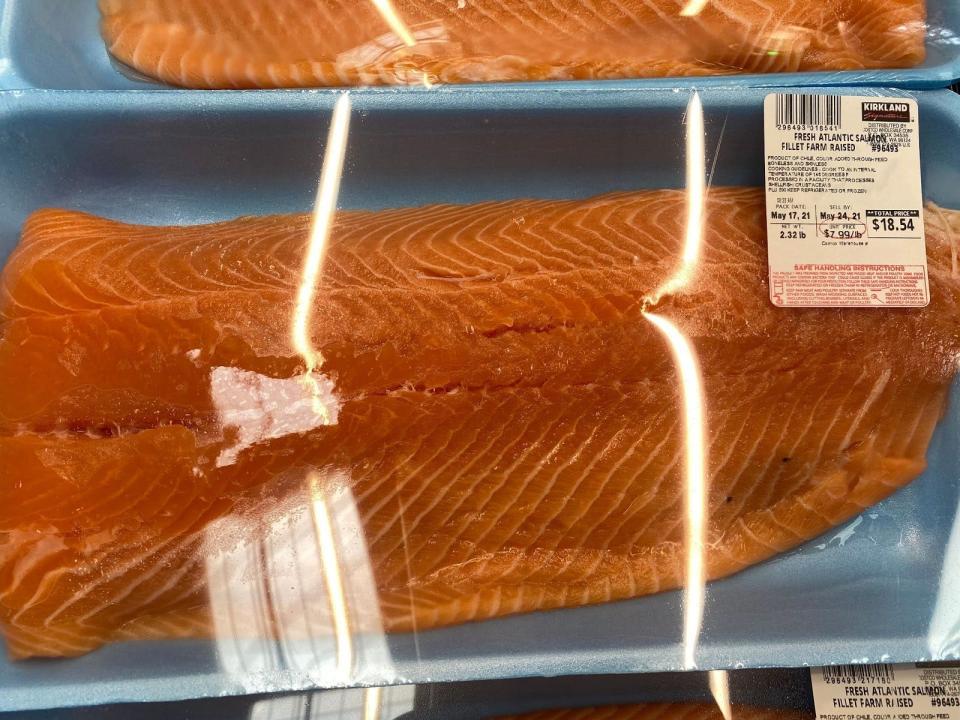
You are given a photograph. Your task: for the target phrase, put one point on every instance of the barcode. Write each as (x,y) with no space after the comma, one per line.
(851,674)
(817,110)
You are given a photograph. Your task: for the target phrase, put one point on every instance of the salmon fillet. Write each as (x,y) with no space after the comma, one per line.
(494,403)
(309,43)
(662,711)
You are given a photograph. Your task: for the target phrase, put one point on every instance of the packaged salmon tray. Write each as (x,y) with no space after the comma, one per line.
(314,390)
(225,44)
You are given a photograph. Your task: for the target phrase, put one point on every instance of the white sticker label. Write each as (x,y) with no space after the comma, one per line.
(844,205)
(887,692)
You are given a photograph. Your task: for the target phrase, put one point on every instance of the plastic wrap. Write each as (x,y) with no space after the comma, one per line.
(57,44)
(113,544)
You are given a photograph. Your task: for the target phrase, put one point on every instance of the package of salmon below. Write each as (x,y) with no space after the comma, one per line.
(350,389)
(243,44)
(776,694)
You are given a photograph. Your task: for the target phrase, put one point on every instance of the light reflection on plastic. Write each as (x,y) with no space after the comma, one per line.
(292,593)
(938,35)
(719,681)
(389,45)
(372,703)
(691,387)
(261,408)
(389,703)
(323,213)
(693,8)
(943,636)
(6,32)
(332,577)
(390,16)
(696,189)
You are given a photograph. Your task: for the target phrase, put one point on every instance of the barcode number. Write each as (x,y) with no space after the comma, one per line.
(816,110)
(852,674)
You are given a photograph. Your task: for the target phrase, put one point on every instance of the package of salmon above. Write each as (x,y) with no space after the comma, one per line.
(341,389)
(233,44)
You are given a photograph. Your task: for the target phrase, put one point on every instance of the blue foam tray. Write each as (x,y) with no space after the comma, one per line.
(56,44)
(884,587)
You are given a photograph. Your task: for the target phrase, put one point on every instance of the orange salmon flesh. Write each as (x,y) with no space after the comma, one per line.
(486,409)
(313,43)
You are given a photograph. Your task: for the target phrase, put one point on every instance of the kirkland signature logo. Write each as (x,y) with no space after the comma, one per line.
(886,112)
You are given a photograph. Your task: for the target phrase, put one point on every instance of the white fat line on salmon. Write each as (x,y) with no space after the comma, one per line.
(691,387)
(323,212)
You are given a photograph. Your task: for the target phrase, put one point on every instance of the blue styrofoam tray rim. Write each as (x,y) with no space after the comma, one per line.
(565,97)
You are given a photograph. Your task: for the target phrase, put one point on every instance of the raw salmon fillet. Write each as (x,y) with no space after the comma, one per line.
(662,711)
(306,43)
(495,410)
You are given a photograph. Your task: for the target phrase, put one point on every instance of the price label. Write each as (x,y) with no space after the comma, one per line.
(844,204)
(930,691)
